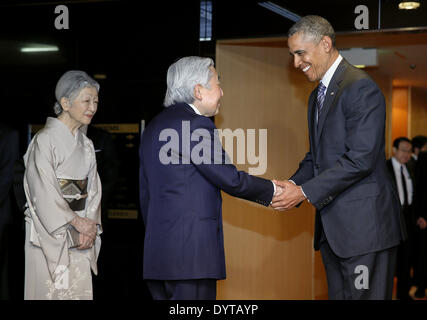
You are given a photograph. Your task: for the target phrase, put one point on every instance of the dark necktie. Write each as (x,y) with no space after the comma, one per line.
(321,90)
(405,190)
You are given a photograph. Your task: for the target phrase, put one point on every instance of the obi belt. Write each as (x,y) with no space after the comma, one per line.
(74,192)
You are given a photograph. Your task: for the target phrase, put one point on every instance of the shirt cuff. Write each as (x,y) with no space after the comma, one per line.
(274,192)
(302,190)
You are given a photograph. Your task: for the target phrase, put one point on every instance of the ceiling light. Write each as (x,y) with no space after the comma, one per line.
(409,5)
(39,48)
(100,76)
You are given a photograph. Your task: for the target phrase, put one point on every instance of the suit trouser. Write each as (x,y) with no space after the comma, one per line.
(194,289)
(420,269)
(405,257)
(364,277)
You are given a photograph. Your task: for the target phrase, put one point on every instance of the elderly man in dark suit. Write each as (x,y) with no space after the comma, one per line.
(344,174)
(183,170)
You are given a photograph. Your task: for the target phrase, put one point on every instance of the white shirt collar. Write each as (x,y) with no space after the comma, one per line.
(195,109)
(397,164)
(328,75)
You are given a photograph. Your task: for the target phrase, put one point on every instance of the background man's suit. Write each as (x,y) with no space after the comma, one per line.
(344,176)
(181,203)
(405,252)
(420,204)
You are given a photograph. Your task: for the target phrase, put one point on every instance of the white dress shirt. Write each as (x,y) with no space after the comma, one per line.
(409,187)
(195,109)
(328,75)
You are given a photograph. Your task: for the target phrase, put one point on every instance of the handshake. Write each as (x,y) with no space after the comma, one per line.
(287,195)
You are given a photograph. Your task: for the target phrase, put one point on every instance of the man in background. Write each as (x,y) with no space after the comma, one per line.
(403,181)
(419,143)
(420,206)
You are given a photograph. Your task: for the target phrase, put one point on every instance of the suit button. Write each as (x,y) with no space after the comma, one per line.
(317,166)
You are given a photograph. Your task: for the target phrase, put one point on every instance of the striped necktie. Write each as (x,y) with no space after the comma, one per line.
(321,90)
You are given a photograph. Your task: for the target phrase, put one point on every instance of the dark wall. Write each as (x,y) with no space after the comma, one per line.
(132,42)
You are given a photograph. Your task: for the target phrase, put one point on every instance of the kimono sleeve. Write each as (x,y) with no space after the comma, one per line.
(93,204)
(42,190)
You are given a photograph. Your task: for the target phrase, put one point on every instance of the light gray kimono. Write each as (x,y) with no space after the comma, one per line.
(52,270)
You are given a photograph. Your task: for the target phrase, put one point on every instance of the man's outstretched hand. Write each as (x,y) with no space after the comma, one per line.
(290,196)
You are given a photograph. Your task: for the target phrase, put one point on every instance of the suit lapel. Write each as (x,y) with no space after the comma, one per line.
(391,170)
(330,96)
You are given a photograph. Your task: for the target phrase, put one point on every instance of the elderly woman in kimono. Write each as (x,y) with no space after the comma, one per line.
(63,191)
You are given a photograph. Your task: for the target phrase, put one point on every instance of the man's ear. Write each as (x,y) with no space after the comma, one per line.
(65,104)
(197,93)
(326,43)
(394,150)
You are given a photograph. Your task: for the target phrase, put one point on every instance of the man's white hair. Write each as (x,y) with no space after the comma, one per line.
(184,75)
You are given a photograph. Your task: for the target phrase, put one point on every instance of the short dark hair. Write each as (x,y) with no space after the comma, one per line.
(314,26)
(419,141)
(397,141)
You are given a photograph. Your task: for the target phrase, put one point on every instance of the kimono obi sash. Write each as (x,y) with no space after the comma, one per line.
(74,192)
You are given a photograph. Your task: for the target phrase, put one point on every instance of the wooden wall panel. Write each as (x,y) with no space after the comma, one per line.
(400,112)
(418,112)
(385,84)
(269,255)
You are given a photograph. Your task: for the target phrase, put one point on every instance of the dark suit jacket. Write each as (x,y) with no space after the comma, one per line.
(411,166)
(393,175)
(407,213)
(181,203)
(344,174)
(420,201)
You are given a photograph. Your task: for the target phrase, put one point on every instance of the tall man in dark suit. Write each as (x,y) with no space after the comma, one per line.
(403,181)
(183,170)
(344,174)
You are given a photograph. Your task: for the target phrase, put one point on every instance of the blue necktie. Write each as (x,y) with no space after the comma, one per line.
(321,90)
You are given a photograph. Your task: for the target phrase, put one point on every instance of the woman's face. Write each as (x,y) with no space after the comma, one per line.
(84,106)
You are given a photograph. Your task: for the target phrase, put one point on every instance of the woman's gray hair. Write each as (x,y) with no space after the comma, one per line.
(184,75)
(314,27)
(70,85)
